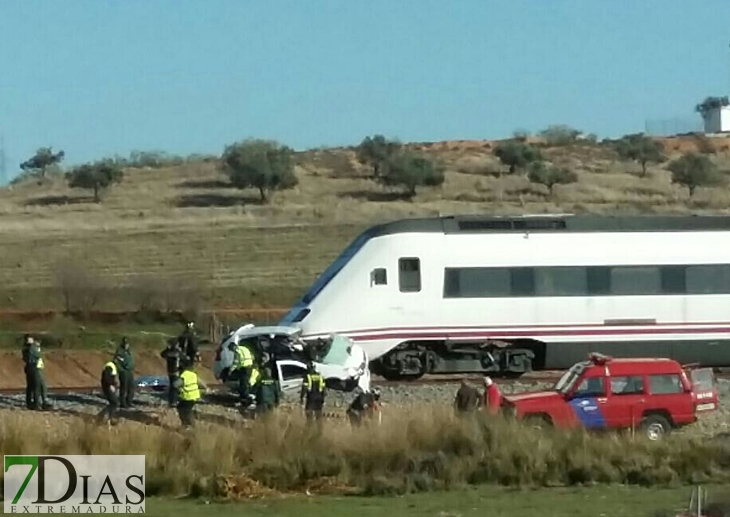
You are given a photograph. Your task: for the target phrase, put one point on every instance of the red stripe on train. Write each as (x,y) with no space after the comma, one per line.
(385,334)
(650,325)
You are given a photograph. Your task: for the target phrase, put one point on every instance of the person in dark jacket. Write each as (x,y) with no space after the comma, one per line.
(30,376)
(313,389)
(173,356)
(189,342)
(268,393)
(364,406)
(125,362)
(110,384)
(467,398)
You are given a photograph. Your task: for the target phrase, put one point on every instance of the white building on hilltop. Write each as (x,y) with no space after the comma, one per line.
(715,113)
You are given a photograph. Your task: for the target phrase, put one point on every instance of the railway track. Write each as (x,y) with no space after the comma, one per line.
(377,381)
(546,376)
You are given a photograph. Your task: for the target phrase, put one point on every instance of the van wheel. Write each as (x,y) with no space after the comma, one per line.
(655,427)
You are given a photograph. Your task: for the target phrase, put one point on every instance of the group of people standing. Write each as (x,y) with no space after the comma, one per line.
(259,390)
(117,377)
(468,398)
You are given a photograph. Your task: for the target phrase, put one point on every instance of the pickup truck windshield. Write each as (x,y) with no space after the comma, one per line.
(569,378)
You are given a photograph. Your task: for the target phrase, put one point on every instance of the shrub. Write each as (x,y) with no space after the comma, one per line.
(517,155)
(704,144)
(80,289)
(410,170)
(41,161)
(694,170)
(261,164)
(157,294)
(640,148)
(521,135)
(550,175)
(97,176)
(478,165)
(375,151)
(559,134)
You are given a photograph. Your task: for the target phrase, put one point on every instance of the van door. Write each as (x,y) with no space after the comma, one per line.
(291,374)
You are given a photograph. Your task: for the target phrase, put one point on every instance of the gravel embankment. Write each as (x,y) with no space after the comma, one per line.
(219,407)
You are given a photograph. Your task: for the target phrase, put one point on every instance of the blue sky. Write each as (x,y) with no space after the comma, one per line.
(98,78)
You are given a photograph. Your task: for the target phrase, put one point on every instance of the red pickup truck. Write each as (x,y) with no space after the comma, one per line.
(652,394)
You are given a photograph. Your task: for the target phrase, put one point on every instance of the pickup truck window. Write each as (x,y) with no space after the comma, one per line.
(665,384)
(627,385)
(591,387)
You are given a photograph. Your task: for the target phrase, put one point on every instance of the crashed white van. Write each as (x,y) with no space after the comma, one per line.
(342,363)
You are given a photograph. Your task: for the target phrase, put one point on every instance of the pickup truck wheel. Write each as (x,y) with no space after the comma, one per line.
(655,427)
(538,421)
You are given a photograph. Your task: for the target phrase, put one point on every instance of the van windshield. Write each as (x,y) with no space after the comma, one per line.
(569,378)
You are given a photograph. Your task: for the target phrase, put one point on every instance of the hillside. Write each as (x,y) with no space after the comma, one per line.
(179,237)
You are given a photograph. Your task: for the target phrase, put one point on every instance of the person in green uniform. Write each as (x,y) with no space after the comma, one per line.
(123,357)
(40,390)
(313,390)
(29,369)
(268,393)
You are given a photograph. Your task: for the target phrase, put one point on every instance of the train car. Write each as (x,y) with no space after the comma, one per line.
(483,293)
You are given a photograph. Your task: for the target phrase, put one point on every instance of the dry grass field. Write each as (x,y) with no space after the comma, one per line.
(411,451)
(166,230)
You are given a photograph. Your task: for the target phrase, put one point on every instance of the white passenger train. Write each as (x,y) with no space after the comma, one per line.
(479,294)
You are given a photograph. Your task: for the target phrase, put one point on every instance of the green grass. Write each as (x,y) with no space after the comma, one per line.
(609,501)
(61,332)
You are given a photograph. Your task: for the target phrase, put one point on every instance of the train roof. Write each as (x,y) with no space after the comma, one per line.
(553,223)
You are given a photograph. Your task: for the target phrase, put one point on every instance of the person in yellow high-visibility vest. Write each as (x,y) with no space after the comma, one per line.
(189,387)
(40,391)
(313,389)
(110,388)
(242,368)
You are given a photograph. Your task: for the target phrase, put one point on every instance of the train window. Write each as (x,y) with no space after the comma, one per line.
(561,281)
(635,280)
(379,276)
(708,279)
(673,279)
(598,280)
(477,282)
(409,275)
(523,281)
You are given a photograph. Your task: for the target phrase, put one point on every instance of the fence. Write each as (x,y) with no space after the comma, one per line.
(673,126)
